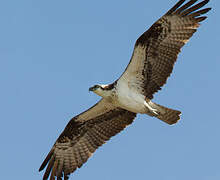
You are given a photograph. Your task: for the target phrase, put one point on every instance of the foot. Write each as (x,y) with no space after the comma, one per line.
(153,110)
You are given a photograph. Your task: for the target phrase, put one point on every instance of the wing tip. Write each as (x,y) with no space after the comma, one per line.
(175,7)
(187,8)
(49,168)
(46,160)
(200,19)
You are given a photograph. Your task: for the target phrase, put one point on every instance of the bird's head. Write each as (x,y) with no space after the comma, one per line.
(95,88)
(100,90)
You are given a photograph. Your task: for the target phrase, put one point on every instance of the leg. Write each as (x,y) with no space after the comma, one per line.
(169,116)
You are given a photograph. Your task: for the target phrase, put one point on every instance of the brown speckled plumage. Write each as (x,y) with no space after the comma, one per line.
(82,137)
(152,62)
(161,44)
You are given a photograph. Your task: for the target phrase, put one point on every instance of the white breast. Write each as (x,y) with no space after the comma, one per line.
(129,98)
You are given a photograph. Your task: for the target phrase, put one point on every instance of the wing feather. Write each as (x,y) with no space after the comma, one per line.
(156,50)
(199,13)
(194,8)
(185,6)
(177,5)
(82,136)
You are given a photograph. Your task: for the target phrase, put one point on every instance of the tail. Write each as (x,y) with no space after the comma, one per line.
(165,114)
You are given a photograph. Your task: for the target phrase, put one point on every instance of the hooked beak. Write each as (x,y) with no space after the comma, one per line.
(91,89)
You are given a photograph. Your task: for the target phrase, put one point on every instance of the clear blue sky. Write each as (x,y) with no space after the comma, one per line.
(52,51)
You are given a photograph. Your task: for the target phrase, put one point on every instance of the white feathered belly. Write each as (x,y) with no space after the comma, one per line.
(130,99)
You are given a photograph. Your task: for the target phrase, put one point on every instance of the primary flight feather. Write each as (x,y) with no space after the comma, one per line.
(152,61)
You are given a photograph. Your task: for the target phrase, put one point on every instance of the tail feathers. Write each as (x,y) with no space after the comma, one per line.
(167,115)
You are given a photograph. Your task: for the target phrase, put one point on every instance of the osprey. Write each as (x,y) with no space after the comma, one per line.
(152,61)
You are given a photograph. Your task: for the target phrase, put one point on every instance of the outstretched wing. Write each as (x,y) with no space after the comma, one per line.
(156,50)
(82,136)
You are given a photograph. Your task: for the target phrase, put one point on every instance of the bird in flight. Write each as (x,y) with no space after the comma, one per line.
(152,61)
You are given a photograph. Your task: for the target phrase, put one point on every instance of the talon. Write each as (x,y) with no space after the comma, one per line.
(153,110)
